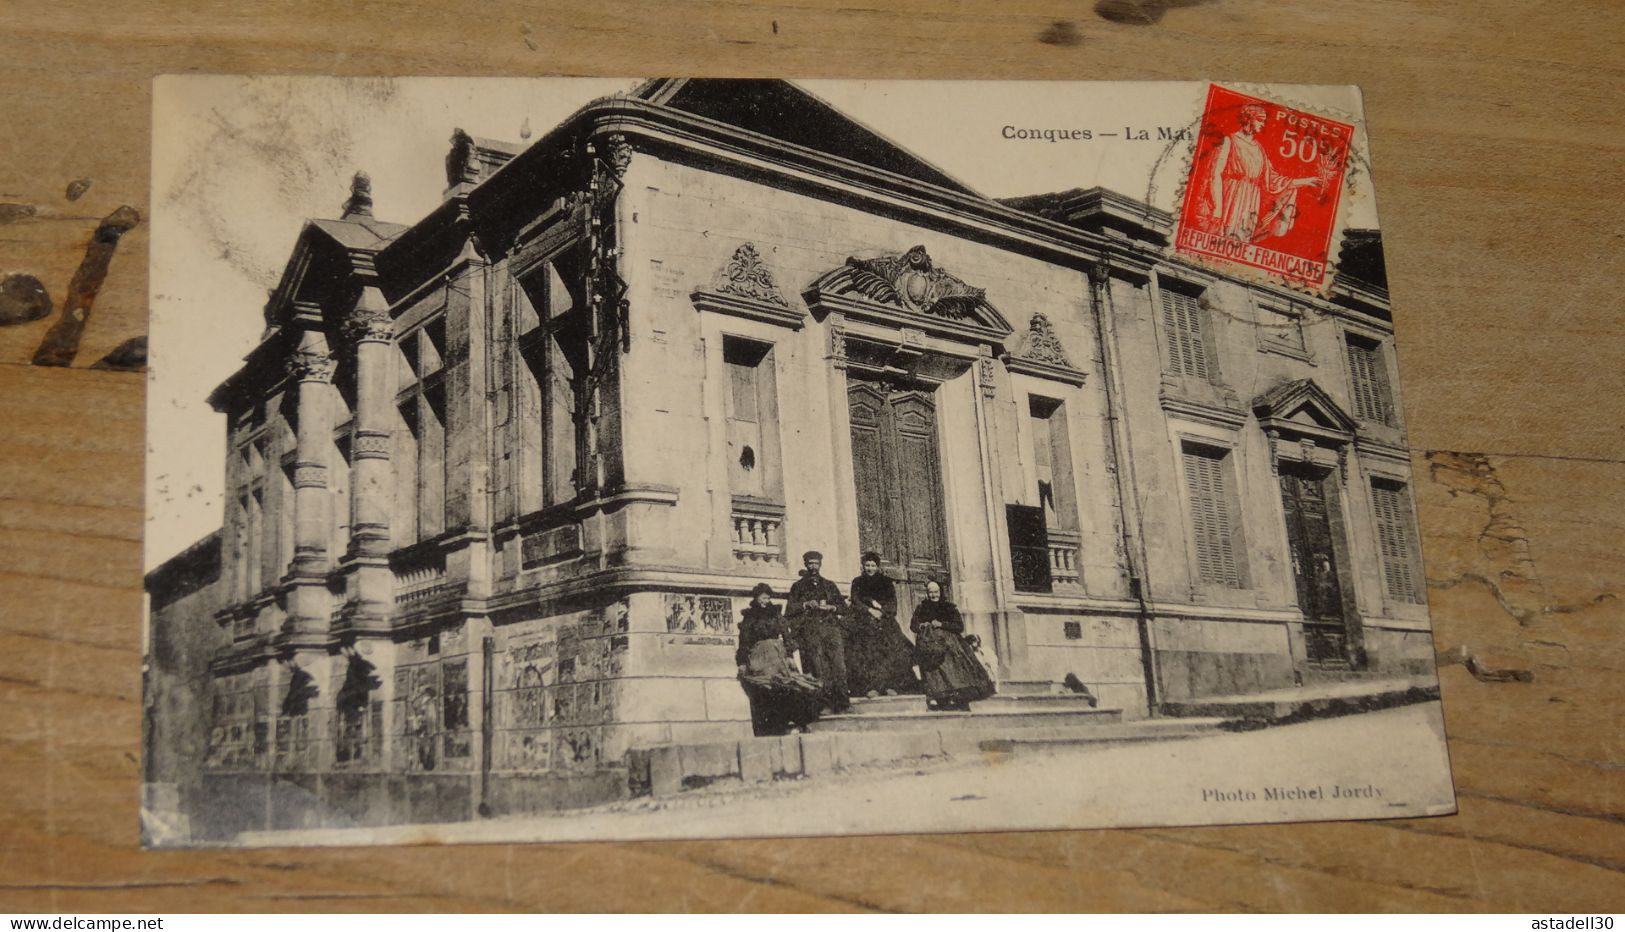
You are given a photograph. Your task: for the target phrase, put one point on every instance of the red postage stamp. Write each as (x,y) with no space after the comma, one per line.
(1264,188)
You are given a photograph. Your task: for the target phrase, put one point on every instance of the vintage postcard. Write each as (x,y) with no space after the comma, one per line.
(554,459)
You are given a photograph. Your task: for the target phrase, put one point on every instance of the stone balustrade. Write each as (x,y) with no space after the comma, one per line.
(758,531)
(1063,559)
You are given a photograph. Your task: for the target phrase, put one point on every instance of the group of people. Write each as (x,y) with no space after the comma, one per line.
(849,648)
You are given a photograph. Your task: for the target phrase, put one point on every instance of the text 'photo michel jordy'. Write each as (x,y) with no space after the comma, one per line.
(587,459)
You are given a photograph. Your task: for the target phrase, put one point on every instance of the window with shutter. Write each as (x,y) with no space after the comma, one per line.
(752,419)
(1182,323)
(1369,378)
(1212,524)
(1396,541)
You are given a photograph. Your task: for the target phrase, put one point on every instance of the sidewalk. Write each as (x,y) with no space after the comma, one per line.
(1312,701)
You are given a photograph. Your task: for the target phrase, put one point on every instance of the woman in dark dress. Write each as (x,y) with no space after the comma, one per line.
(953,677)
(879,658)
(780,697)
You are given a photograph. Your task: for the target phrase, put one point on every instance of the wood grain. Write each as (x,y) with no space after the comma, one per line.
(1498,129)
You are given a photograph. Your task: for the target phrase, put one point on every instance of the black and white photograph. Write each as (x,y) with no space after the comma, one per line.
(555,459)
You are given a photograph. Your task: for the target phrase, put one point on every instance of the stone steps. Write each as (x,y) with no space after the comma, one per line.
(910,713)
(1029,687)
(894,705)
(1156,729)
(899,730)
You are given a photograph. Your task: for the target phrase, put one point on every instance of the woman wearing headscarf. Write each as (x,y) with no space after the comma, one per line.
(781,698)
(879,658)
(952,675)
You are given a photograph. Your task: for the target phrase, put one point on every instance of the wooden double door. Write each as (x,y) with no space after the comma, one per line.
(898,471)
(1315,546)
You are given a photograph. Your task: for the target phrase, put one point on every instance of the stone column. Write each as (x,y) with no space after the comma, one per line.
(309,604)
(370,586)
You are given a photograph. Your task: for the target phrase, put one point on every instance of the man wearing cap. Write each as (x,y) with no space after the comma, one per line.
(814,614)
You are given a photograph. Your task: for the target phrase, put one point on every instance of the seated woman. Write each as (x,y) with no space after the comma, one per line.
(953,677)
(780,697)
(879,658)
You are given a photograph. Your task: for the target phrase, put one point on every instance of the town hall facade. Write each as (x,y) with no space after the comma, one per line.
(499,483)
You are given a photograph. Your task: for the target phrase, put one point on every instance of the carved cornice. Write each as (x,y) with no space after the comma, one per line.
(1387,458)
(1228,414)
(750,309)
(1041,354)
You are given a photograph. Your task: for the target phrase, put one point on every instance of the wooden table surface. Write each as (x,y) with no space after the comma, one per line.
(1498,136)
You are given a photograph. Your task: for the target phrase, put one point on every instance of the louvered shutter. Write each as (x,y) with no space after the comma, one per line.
(1171,331)
(1372,400)
(1394,541)
(1182,322)
(1210,519)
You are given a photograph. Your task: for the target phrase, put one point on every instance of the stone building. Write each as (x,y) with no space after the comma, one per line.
(499,482)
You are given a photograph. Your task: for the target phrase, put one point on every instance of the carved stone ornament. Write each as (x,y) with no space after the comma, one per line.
(371,444)
(459,159)
(360,202)
(837,346)
(1042,345)
(744,287)
(310,476)
(369,325)
(618,152)
(914,282)
(306,366)
(990,388)
(747,276)
(908,290)
(1041,354)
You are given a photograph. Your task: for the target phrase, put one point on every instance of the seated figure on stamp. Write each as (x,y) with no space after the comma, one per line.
(1239,179)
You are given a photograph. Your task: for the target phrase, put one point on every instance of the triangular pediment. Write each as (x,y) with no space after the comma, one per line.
(324,257)
(1309,416)
(1304,405)
(784,111)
